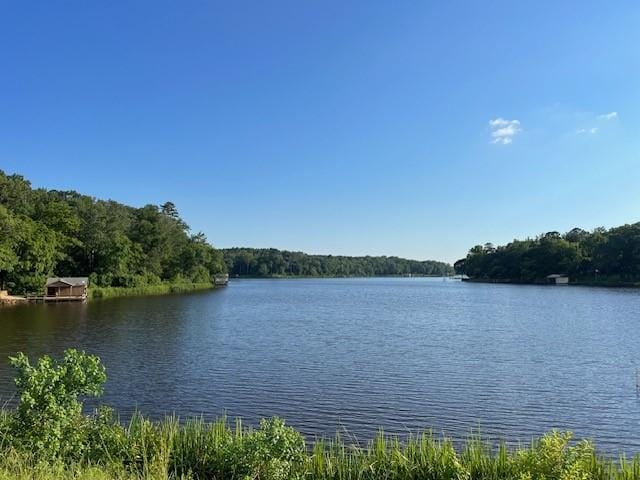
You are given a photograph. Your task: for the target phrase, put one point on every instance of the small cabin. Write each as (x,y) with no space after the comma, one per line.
(221,279)
(558,279)
(66,288)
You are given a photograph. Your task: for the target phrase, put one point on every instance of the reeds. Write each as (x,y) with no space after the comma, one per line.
(158,289)
(197,449)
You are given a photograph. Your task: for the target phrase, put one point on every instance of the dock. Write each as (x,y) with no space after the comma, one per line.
(55,298)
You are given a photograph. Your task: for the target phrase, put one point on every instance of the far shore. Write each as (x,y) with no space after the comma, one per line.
(577,283)
(310,277)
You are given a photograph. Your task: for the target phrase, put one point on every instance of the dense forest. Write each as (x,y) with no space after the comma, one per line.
(271,262)
(605,256)
(63,233)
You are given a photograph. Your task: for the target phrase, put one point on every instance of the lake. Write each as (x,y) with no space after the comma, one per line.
(357,354)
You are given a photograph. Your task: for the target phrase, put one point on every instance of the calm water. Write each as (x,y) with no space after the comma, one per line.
(355,354)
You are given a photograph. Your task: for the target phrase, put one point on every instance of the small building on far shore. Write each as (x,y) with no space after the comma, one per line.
(66,288)
(558,279)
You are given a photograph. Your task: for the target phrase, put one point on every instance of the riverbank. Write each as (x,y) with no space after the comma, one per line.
(159,289)
(196,449)
(312,277)
(113,292)
(608,283)
(9,300)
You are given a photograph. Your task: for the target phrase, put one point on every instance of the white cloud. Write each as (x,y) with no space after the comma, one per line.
(608,116)
(503,131)
(587,130)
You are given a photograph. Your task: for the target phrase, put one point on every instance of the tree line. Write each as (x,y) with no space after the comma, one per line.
(601,255)
(64,233)
(270,262)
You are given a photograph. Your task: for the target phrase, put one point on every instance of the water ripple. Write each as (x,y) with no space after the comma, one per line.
(358,354)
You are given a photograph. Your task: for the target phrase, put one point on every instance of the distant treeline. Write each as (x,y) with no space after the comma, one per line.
(601,256)
(270,262)
(47,232)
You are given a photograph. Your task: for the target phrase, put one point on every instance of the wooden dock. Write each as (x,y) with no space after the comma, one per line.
(56,298)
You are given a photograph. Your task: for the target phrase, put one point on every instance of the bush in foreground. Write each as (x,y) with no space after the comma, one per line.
(48,437)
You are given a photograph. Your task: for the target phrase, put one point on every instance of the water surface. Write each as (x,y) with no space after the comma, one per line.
(357,354)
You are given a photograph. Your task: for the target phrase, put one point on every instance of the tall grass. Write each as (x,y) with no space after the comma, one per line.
(143,449)
(158,289)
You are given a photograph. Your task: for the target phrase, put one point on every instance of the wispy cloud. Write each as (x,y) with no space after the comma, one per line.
(608,116)
(587,130)
(596,119)
(503,131)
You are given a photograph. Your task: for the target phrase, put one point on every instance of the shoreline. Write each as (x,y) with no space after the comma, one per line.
(311,277)
(594,283)
(275,450)
(12,301)
(99,293)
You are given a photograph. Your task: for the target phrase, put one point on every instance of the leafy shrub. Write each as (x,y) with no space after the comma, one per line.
(553,457)
(274,452)
(106,439)
(49,418)
(200,274)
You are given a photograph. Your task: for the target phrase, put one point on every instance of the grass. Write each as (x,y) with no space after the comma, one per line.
(197,449)
(159,289)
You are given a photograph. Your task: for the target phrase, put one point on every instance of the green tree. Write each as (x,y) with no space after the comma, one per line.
(8,257)
(64,233)
(611,254)
(38,249)
(270,262)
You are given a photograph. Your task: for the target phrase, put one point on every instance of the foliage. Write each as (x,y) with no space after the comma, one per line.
(63,233)
(48,232)
(274,452)
(154,289)
(49,418)
(554,457)
(271,262)
(196,449)
(606,256)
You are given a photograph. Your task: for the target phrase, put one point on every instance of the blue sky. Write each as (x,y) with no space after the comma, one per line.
(401,128)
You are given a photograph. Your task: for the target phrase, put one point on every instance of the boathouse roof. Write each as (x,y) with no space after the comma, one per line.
(71,281)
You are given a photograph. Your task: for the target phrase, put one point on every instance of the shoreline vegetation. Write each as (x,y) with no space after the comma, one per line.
(603,258)
(605,283)
(195,449)
(51,233)
(274,263)
(96,293)
(160,289)
(303,277)
(127,251)
(49,437)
